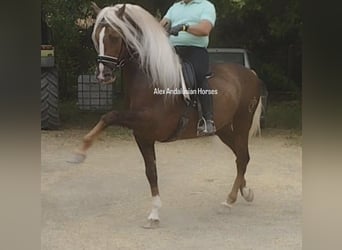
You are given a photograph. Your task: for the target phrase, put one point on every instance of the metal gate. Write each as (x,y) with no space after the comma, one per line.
(93,96)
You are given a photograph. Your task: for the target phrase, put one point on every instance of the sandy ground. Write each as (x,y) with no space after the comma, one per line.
(102,203)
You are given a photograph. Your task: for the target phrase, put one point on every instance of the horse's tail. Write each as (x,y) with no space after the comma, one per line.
(255,128)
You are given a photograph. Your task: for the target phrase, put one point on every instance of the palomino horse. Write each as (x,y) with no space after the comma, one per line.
(128,37)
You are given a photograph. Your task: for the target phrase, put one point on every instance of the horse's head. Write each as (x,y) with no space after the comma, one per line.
(129,32)
(109,45)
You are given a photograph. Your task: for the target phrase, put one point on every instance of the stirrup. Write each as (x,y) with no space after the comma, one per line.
(202,129)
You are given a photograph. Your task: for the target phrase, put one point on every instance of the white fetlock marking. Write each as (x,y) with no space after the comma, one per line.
(153,215)
(156,205)
(248,194)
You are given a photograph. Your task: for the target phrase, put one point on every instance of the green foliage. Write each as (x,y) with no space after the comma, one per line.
(72,48)
(284,115)
(275,78)
(268,29)
(265,27)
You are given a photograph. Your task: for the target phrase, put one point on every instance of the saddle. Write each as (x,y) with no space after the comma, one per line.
(189,75)
(190,79)
(194,102)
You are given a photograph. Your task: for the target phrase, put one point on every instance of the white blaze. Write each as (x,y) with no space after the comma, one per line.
(101,51)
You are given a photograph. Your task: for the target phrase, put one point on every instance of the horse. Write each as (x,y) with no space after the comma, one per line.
(129,38)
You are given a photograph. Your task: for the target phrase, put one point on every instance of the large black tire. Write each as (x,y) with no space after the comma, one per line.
(49,99)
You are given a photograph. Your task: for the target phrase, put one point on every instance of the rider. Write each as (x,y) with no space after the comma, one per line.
(191,22)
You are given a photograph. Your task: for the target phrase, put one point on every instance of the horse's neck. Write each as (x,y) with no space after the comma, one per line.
(136,85)
(133,75)
(138,88)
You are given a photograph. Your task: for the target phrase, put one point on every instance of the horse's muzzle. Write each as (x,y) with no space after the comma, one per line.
(105,75)
(107,65)
(106,78)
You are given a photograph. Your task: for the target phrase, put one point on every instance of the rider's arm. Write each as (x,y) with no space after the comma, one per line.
(203,28)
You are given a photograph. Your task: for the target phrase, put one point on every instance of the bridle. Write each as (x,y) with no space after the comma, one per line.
(114,63)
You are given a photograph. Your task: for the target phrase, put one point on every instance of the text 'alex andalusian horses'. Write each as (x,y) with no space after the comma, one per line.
(128,37)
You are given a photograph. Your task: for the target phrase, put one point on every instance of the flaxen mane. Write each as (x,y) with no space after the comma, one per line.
(143,33)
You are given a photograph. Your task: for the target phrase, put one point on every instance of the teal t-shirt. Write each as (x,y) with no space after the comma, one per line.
(190,13)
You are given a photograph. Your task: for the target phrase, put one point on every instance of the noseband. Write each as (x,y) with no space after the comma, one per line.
(115,63)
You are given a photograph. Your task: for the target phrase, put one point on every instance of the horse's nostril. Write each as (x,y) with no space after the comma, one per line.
(106,75)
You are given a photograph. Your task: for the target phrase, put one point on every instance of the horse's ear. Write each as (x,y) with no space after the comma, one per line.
(95,8)
(120,12)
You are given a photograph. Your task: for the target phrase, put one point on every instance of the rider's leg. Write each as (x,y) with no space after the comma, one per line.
(206,99)
(200,59)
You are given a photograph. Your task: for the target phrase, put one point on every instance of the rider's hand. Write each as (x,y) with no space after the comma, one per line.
(176,29)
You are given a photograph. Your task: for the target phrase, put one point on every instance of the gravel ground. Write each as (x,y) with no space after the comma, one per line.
(104,202)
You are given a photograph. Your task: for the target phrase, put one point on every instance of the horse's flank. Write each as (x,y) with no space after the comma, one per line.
(142,33)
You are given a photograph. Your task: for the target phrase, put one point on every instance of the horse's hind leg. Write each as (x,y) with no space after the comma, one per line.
(237,140)
(148,152)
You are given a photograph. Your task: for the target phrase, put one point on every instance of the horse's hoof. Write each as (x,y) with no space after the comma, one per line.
(151,224)
(226,204)
(247,194)
(76,158)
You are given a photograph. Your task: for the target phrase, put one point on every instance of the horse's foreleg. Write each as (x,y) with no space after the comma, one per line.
(89,138)
(80,153)
(148,152)
(127,119)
